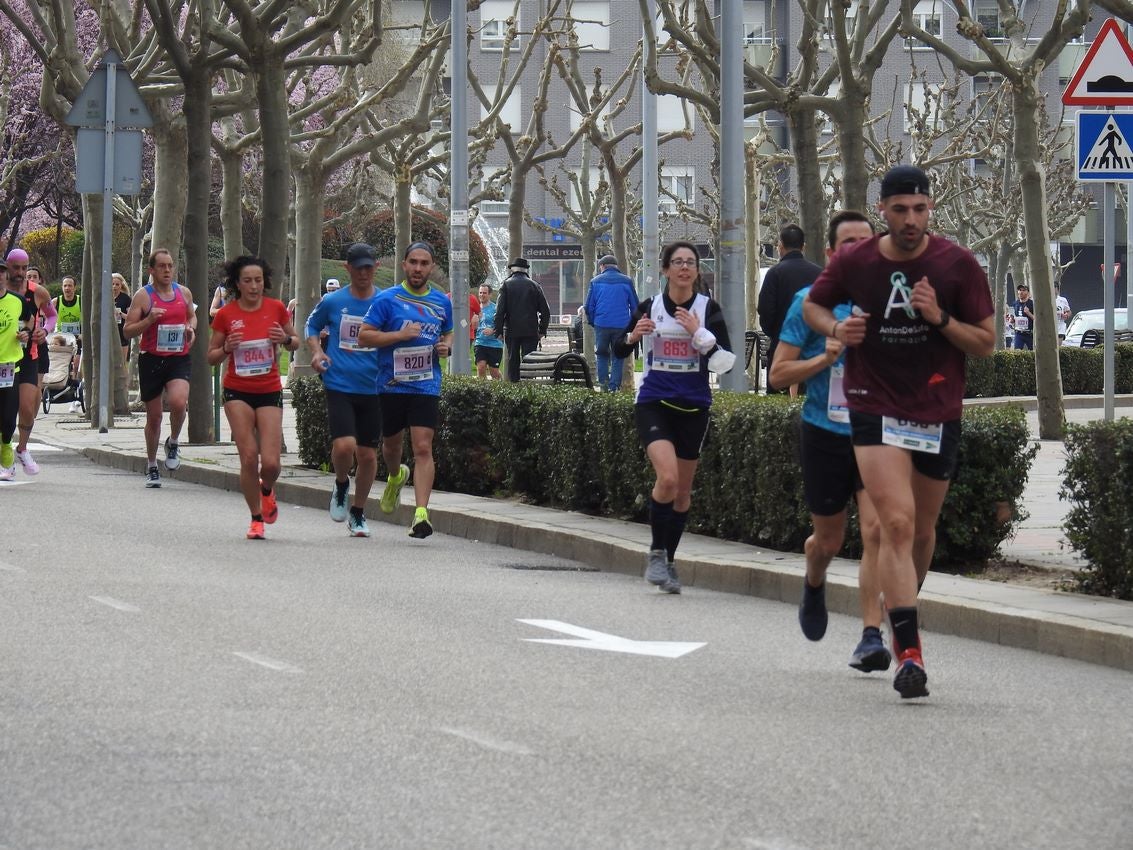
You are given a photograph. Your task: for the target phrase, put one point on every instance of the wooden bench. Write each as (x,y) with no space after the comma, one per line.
(555,368)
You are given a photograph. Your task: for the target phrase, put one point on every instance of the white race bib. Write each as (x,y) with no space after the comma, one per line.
(413,363)
(254,357)
(673,352)
(916,436)
(7,375)
(72,328)
(836,409)
(348,328)
(171,339)
(1023,323)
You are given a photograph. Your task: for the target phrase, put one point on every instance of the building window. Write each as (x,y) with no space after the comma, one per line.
(512,112)
(987,15)
(926,15)
(671,114)
(677,183)
(591,22)
(494,15)
(756,30)
(496,206)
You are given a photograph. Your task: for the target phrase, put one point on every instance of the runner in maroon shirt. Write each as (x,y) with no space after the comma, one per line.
(921,305)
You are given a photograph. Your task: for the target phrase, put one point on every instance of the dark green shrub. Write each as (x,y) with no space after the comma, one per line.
(995,457)
(1012,373)
(1098,484)
(310,403)
(579,450)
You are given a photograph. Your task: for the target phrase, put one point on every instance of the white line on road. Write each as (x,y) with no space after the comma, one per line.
(11,568)
(488,743)
(116,604)
(590,639)
(270,663)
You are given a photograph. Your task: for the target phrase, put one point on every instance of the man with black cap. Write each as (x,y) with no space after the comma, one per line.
(610,302)
(522,315)
(921,305)
(350,376)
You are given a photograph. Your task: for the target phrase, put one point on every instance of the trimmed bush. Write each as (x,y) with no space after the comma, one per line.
(1098,484)
(1012,373)
(578,450)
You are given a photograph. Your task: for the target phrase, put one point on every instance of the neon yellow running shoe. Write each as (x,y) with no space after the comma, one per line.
(7,455)
(421,527)
(392,494)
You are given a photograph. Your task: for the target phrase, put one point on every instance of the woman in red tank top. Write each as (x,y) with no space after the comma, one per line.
(246,332)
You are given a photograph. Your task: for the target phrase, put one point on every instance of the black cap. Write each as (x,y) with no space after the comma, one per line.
(359,255)
(904,180)
(608,260)
(519,263)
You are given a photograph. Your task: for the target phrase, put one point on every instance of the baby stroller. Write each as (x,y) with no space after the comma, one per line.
(64,378)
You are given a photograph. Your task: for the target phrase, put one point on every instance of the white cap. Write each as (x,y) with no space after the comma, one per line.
(332,284)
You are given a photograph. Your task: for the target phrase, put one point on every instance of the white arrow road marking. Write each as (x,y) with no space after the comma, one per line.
(270,663)
(589,639)
(116,604)
(486,742)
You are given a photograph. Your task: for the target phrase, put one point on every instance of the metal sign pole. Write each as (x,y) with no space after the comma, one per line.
(1109,204)
(458,255)
(106,318)
(732,259)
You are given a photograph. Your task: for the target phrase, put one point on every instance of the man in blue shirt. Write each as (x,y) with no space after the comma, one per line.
(411,326)
(610,302)
(488,347)
(350,376)
(830,475)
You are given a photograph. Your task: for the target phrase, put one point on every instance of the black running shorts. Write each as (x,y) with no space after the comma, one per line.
(941,467)
(254,400)
(408,410)
(685,428)
(357,415)
(830,473)
(154,372)
(489,354)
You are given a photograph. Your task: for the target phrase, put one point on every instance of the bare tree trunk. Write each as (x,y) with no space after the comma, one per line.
(310,189)
(271,96)
(515,214)
(91,286)
(812,200)
(197,106)
(1032,182)
(852,150)
(752,248)
(231,217)
(171,182)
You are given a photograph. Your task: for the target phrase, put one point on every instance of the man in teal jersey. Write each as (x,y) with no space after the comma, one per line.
(830,475)
(411,326)
(350,376)
(488,346)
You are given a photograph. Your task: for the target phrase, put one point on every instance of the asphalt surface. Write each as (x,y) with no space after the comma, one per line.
(167,683)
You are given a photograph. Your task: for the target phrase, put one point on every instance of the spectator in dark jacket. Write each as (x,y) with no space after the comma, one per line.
(522,315)
(782,281)
(610,302)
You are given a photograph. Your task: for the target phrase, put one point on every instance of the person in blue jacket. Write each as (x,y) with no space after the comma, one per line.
(610,302)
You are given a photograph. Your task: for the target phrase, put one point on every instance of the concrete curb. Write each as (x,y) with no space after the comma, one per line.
(1083,628)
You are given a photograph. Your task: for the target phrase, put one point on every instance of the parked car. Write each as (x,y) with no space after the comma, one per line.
(1093,320)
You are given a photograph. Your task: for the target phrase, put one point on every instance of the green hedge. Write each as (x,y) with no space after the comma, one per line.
(578,450)
(1098,484)
(1012,373)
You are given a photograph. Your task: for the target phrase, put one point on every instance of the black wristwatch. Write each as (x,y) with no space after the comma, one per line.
(945,318)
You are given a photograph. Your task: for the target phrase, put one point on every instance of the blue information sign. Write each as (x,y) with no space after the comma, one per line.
(1104,150)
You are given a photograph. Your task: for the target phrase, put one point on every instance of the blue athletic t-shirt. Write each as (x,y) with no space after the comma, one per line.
(798,333)
(487,320)
(352,369)
(410,366)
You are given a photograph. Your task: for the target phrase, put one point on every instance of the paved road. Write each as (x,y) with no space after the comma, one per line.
(166,683)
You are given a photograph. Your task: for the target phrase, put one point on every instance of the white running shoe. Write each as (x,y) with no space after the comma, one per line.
(28,462)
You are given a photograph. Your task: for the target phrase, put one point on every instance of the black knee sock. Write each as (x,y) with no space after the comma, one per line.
(265,490)
(660,517)
(257,517)
(676,529)
(357,512)
(341,485)
(904,623)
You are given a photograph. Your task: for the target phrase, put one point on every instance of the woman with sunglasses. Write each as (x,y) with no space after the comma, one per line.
(683,337)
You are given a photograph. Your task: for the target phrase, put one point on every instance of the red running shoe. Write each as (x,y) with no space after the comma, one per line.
(256,530)
(268,506)
(911,677)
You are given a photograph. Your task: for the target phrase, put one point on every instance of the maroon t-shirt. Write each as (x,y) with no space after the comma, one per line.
(904,367)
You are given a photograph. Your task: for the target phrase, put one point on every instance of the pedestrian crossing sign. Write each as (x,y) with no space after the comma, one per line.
(1105,146)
